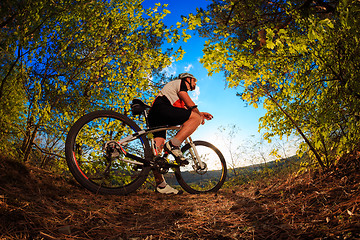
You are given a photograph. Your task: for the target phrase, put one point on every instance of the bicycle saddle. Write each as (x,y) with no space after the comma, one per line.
(138,106)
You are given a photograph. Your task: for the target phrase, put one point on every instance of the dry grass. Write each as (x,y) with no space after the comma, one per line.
(36,204)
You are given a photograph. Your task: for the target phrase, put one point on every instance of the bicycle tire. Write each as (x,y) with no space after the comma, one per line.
(210,180)
(92,167)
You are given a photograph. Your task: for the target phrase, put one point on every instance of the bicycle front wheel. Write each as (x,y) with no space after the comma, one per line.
(208,179)
(98,162)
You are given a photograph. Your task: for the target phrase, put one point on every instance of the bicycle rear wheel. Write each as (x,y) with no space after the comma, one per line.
(211,178)
(97,161)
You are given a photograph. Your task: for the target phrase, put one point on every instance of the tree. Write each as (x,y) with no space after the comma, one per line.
(229,136)
(296,58)
(72,57)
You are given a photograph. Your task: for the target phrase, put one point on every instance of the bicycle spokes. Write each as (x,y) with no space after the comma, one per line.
(98,157)
(206,171)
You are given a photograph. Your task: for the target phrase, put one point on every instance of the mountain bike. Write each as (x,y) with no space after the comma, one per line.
(108,153)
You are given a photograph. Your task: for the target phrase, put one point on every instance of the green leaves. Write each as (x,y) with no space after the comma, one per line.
(303,65)
(77,56)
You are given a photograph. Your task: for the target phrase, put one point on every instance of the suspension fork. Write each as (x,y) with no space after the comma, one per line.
(194,153)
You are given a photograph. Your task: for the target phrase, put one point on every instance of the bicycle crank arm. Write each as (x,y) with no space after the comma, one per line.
(130,161)
(172,165)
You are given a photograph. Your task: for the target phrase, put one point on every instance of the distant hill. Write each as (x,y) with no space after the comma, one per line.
(277,165)
(243,172)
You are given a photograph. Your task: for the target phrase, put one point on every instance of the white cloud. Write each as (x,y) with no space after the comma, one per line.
(170,70)
(188,67)
(195,94)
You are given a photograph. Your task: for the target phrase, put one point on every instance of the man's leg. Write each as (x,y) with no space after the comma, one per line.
(159,178)
(161,185)
(188,128)
(159,144)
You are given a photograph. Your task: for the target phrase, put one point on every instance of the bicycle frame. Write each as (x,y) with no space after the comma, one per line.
(139,161)
(119,155)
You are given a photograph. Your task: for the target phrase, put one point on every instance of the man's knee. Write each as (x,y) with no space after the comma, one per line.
(196,118)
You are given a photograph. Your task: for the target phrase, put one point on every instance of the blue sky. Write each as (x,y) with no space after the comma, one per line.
(212,95)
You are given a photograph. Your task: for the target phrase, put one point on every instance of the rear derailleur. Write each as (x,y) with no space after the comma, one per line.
(112,149)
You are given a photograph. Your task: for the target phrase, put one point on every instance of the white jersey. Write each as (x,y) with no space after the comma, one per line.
(171,90)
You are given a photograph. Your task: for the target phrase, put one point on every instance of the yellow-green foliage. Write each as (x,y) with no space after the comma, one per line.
(302,65)
(61,59)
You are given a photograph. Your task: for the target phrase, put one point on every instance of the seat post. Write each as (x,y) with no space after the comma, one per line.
(146,114)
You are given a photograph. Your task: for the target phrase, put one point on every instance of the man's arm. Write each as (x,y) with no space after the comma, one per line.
(184,96)
(189,103)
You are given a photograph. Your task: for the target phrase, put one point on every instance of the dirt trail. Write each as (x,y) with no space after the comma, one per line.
(35,204)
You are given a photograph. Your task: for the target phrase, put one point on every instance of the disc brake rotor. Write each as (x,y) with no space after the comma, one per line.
(200,170)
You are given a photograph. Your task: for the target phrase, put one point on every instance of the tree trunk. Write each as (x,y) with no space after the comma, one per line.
(318,158)
(29,142)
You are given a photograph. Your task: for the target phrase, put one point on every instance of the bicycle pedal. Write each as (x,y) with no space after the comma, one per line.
(172,165)
(182,162)
(158,161)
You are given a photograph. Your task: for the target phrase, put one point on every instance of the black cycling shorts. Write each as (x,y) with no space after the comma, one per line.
(162,113)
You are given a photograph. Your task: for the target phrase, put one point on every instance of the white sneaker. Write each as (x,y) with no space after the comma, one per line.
(176,152)
(173,150)
(168,190)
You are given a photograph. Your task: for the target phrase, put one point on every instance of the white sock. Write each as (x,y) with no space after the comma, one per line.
(162,185)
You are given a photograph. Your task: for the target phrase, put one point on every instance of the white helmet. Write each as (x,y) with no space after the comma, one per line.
(186,75)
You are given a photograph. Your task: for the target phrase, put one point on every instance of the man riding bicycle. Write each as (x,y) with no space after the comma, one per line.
(173,106)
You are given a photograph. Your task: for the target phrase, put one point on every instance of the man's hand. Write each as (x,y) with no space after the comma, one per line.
(206,116)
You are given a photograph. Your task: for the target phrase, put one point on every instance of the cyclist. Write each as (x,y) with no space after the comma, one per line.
(173,106)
